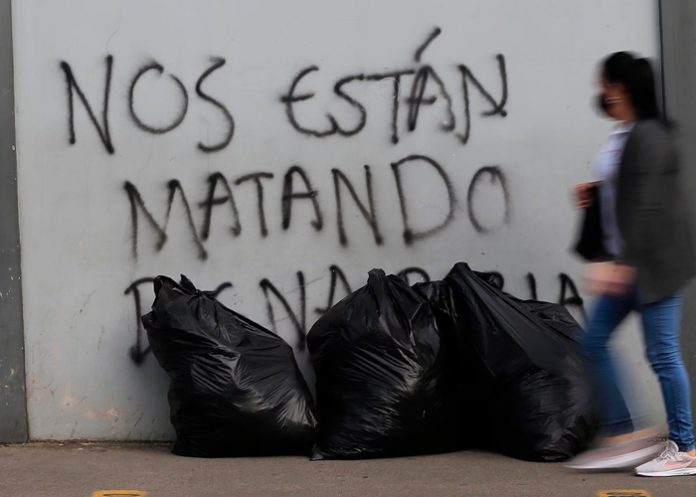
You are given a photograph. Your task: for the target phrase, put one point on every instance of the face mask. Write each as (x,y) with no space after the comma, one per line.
(601,104)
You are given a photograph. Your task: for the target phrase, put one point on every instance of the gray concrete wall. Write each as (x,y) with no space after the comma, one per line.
(86,244)
(89,371)
(13,405)
(678,22)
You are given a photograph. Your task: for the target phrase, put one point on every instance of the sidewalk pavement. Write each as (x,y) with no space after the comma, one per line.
(81,469)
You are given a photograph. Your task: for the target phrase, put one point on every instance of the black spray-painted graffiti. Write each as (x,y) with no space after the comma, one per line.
(422,77)
(409,234)
(102,125)
(73,87)
(131,101)
(426,88)
(414,90)
(297,311)
(344,191)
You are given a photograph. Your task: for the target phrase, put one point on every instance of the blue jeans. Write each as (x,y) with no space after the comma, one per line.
(661,322)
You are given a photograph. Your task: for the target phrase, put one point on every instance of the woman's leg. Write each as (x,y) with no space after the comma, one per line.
(603,320)
(661,322)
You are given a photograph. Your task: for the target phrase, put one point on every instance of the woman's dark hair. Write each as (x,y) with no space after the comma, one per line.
(636,74)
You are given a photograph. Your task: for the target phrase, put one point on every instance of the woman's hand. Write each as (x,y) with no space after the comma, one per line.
(608,278)
(583,195)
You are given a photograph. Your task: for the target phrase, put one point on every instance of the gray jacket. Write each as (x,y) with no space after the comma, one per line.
(652,216)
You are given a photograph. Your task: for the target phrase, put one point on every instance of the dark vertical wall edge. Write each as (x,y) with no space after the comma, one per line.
(13,399)
(661,76)
(678,39)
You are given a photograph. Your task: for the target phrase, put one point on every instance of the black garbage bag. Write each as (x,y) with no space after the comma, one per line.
(468,401)
(524,365)
(235,388)
(381,392)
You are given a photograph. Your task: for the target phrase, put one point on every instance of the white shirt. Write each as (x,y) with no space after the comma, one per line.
(606,171)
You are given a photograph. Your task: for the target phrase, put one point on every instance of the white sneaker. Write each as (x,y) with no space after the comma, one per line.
(616,456)
(670,462)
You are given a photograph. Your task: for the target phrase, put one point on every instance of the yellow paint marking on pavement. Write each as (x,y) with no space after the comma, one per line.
(119,493)
(623,493)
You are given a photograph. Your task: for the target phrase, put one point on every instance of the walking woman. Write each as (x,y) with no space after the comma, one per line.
(647,237)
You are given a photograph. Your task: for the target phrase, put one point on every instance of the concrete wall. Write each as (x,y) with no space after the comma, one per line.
(13,402)
(679,56)
(129,111)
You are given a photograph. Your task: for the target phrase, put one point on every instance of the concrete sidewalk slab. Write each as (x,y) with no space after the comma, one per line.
(80,469)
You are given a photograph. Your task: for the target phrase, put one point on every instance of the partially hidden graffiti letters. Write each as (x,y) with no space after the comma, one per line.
(294,305)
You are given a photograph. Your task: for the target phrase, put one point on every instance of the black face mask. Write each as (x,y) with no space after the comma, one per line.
(602,104)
